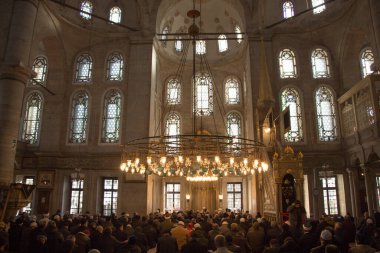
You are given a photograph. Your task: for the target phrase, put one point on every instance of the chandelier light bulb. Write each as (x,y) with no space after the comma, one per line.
(123,166)
(217,159)
(163,160)
(255,163)
(252,171)
(232,160)
(129,163)
(259,169)
(245,161)
(180,159)
(226,173)
(137,161)
(199,158)
(149,160)
(264,165)
(133,170)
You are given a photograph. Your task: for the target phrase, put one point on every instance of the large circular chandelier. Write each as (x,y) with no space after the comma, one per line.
(200,156)
(196,157)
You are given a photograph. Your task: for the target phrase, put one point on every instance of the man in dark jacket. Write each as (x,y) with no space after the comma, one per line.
(308,240)
(167,244)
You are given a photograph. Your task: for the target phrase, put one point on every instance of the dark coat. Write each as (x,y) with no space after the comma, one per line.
(194,246)
(108,243)
(166,244)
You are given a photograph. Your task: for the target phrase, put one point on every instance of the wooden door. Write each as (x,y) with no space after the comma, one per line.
(43,201)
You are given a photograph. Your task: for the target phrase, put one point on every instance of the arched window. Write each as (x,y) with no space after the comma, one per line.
(79,117)
(32,118)
(115,65)
(326,115)
(178,44)
(222,43)
(203,95)
(290,98)
(173,124)
(287,62)
(366,60)
(320,63)
(173,128)
(111,117)
(115,14)
(321,6)
(86,8)
(83,68)
(200,47)
(174,92)
(232,91)
(288,9)
(164,35)
(234,124)
(239,36)
(40,67)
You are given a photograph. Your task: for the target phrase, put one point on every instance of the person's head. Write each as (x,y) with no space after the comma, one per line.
(234,227)
(307,227)
(107,231)
(338,226)
(181,223)
(219,241)
(297,203)
(42,239)
(325,237)
(99,229)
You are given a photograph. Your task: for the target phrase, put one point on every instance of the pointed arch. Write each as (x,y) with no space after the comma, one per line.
(32,117)
(111,116)
(320,63)
(325,106)
(79,117)
(290,98)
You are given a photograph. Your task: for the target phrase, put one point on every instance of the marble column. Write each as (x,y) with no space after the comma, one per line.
(368,189)
(315,194)
(14,73)
(352,193)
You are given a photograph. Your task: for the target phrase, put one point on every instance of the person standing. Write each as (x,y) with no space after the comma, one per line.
(297,215)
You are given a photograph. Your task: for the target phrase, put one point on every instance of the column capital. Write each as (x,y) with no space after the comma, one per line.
(16,71)
(364,168)
(349,171)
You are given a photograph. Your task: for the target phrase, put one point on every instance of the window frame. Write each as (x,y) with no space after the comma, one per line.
(85,16)
(112,190)
(78,80)
(334,109)
(283,9)
(120,15)
(173,193)
(118,118)
(198,45)
(327,188)
(80,196)
(234,193)
(109,59)
(226,96)
(38,59)
(362,52)
(320,9)
(70,120)
(327,61)
(220,40)
(300,120)
(282,75)
(29,207)
(25,113)
(179,91)
(210,98)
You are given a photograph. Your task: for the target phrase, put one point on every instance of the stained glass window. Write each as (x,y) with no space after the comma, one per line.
(234,124)
(366,60)
(321,6)
(172,124)
(232,92)
(40,67)
(204,95)
(86,10)
(287,62)
(239,36)
(173,196)
(111,117)
(290,98)
(83,68)
(178,44)
(288,9)
(110,187)
(79,117)
(330,195)
(76,197)
(174,92)
(234,196)
(320,63)
(164,35)
(115,14)
(222,43)
(200,47)
(115,66)
(32,118)
(326,114)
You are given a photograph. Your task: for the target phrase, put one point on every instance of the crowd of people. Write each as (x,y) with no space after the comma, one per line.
(188,232)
